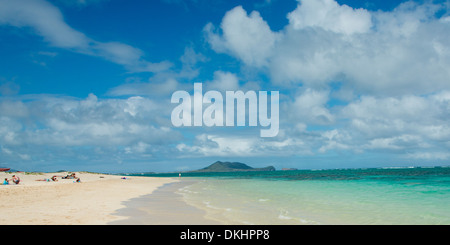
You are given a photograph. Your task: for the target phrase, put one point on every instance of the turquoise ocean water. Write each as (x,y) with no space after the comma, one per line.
(341,196)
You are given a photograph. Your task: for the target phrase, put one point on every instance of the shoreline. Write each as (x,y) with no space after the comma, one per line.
(164,206)
(93,201)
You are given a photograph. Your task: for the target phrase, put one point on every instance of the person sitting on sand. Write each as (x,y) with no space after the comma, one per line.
(54,178)
(6,182)
(16,179)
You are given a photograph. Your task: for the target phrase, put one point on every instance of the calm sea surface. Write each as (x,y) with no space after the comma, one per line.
(342,196)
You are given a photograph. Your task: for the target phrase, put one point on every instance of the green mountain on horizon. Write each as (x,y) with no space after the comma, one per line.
(231,167)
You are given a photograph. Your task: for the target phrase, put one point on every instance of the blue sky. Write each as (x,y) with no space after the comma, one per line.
(86,84)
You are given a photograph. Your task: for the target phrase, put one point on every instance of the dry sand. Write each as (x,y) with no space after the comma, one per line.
(94,201)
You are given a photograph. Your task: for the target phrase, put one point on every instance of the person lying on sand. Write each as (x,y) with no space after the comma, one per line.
(71,176)
(48,180)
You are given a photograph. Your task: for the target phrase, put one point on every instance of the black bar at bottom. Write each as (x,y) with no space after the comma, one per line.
(231,234)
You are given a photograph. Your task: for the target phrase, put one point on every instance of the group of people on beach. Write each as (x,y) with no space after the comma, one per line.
(15,179)
(68,176)
(72,176)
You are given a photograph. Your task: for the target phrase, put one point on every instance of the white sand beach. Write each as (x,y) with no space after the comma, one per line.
(93,201)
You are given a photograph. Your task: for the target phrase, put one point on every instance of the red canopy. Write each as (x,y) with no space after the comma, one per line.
(4,169)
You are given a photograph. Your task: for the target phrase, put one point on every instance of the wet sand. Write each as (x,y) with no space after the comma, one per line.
(162,207)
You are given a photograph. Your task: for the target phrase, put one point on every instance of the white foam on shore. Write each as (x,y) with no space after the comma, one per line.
(208,205)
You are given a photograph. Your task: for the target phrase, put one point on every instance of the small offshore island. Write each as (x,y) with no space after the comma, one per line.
(216,167)
(230,167)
